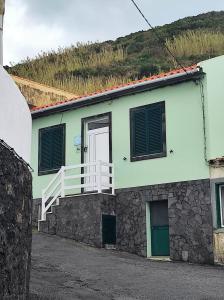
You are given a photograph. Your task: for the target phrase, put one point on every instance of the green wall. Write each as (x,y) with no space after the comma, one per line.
(184,131)
(214,92)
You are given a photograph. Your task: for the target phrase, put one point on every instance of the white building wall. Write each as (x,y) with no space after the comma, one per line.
(15,117)
(1,40)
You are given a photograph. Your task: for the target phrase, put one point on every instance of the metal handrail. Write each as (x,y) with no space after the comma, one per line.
(60,188)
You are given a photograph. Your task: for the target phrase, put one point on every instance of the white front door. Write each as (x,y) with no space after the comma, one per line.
(97,149)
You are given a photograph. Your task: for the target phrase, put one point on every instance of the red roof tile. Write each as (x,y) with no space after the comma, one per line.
(148,79)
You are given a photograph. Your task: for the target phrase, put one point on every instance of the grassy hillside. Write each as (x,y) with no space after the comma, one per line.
(86,68)
(37,93)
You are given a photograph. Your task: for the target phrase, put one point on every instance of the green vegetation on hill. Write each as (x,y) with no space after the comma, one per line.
(196,44)
(86,68)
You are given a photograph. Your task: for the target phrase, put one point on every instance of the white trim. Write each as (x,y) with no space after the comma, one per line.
(1,39)
(94,182)
(221,206)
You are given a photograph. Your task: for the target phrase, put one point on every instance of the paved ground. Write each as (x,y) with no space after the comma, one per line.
(64,269)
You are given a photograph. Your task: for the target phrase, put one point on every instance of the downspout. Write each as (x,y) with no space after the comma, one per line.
(2,12)
(201,85)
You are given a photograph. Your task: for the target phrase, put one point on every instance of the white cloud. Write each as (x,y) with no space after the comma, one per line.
(35,25)
(23,38)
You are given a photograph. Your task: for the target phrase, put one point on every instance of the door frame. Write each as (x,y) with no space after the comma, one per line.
(149,214)
(83,139)
(148,230)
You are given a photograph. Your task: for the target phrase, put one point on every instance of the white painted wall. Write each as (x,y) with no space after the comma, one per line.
(1,39)
(15,117)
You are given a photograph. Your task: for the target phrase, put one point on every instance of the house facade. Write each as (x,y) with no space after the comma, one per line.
(143,165)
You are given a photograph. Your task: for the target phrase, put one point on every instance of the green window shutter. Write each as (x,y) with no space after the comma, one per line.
(51,148)
(155,132)
(148,131)
(140,133)
(57,147)
(45,150)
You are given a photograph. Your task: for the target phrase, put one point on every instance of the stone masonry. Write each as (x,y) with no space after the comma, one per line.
(219,246)
(131,221)
(190,219)
(15,226)
(36,209)
(189,210)
(80,218)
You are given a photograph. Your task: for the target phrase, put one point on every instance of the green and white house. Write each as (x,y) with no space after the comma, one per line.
(140,166)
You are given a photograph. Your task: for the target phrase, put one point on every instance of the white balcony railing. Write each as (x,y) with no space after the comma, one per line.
(70,180)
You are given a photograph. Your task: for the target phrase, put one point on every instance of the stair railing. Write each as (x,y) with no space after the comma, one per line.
(93,177)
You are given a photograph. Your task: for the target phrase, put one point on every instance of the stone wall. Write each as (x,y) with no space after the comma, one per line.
(131,221)
(189,210)
(219,246)
(190,219)
(36,208)
(15,226)
(80,218)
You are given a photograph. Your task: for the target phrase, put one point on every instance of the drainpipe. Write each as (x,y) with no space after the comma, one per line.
(2,12)
(204,120)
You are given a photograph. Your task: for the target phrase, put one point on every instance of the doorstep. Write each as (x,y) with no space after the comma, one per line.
(159,258)
(110,247)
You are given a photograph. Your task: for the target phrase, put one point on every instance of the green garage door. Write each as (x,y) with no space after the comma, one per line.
(159,228)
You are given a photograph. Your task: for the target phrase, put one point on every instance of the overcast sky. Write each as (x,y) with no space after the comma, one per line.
(35,25)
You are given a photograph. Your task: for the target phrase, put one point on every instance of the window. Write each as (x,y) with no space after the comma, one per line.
(51,149)
(221,206)
(148,132)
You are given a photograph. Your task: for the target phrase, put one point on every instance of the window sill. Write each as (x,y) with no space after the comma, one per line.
(219,230)
(48,172)
(150,156)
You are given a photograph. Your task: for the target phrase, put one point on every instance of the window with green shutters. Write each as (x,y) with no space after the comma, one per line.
(51,149)
(148,131)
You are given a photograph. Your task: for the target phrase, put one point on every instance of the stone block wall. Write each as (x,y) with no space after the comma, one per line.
(36,208)
(190,219)
(15,226)
(80,218)
(131,221)
(219,246)
(189,210)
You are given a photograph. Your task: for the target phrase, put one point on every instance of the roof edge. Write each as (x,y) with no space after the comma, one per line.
(119,92)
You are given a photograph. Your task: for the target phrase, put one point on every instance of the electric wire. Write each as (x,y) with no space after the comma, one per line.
(158,36)
(200,81)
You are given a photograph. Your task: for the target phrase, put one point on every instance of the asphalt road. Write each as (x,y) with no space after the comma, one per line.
(64,269)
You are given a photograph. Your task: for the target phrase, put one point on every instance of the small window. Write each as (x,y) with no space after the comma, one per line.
(98,123)
(221,206)
(51,149)
(148,132)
